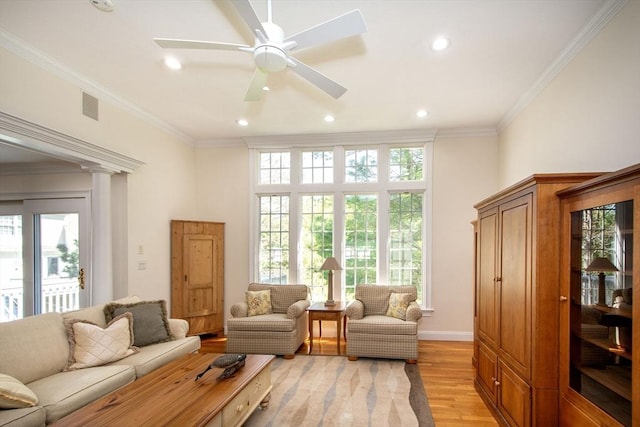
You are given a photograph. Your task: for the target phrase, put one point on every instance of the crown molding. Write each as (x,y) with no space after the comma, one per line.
(588,32)
(23,134)
(44,61)
(346,138)
(466,133)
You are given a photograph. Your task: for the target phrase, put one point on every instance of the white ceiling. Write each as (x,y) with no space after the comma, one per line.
(501,51)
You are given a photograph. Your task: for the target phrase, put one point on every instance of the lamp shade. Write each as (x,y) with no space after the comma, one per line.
(330,264)
(601,264)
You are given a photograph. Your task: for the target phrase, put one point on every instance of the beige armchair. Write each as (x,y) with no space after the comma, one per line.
(278,327)
(383,323)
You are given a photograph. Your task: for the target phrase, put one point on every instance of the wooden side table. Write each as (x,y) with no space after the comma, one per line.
(319,311)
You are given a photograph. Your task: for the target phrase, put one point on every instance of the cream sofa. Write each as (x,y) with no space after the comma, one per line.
(373,331)
(280,332)
(35,350)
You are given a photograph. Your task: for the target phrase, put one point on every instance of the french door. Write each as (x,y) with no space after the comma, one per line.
(44,253)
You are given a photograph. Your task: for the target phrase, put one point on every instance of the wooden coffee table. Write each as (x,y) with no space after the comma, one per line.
(171,396)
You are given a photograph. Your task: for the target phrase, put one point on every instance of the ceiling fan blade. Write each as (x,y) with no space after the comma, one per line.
(347,25)
(249,16)
(197,44)
(318,79)
(258,82)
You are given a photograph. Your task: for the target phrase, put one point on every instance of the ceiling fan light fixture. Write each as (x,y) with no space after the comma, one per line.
(270,58)
(440,43)
(103,5)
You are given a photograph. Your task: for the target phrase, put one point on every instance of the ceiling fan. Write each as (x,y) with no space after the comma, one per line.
(271,50)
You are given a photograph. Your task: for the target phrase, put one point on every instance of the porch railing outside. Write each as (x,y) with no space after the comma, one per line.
(59,295)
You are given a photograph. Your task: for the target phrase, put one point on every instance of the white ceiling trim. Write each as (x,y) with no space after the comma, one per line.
(26,135)
(42,60)
(597,23)
(346,138)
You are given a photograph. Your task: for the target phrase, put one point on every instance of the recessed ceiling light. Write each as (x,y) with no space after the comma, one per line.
(440,43)
(172,63)
(421,113)
(329,118)
(242,122)
(265,88)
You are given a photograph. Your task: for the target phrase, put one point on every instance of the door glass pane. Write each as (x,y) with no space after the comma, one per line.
(600,313)
(11,293)
(57,252)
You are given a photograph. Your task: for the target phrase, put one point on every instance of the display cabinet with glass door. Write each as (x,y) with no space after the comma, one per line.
(599,385)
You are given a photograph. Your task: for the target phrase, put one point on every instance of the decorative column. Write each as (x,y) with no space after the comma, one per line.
(102,255)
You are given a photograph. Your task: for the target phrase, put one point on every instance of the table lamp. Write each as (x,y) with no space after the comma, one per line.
(602,265)
(330,264)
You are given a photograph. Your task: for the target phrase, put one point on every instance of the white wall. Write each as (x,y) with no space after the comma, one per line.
(160,190)
(588,118)
(223,195)
(465,172)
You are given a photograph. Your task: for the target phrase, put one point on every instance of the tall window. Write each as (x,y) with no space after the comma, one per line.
(405,240)
(364,205)
(360,241)
(317,240)
(274,239)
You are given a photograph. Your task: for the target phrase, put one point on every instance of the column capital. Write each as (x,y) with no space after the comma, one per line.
(95,169)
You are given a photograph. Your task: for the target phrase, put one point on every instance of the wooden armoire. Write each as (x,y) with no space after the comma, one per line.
(197,275)
(516,297)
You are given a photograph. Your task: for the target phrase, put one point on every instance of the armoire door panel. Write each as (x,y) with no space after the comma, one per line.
(487,372)
(514,397)
(514,284)
(487,315)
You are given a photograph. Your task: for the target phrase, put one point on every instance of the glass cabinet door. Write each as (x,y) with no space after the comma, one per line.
(600,316)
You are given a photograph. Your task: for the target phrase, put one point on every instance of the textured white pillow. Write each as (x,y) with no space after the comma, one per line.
(91,345)
(14,394)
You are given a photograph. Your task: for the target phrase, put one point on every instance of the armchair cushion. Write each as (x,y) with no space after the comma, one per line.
(258,302)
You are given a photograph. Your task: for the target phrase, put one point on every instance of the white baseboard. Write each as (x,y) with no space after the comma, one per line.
(445,335)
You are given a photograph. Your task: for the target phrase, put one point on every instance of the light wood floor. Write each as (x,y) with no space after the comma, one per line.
(446,372)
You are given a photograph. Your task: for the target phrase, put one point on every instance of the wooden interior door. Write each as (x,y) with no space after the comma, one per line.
(200,287)
(197,265)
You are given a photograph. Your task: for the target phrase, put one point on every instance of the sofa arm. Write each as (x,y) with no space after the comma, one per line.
(240,309)
(414,312)
(296,309)
(178,328)
(355,310)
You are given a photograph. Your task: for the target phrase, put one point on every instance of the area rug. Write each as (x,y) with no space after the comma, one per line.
(332,391)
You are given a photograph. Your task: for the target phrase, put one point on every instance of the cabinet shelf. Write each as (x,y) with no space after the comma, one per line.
(607,345)
(615,378)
